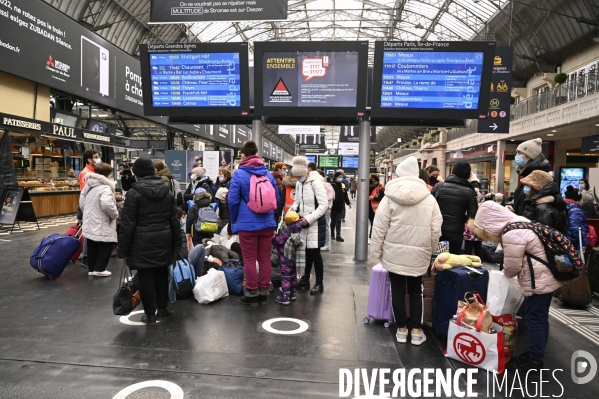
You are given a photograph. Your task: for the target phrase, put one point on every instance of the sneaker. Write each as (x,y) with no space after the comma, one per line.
(84,262)
(149,320)
(318,289)
(164,313)
(90,273)
(418,338)
(105,273)
(327,248)
(402,336)
(303,283)
(339,239)
(292,296)
(247,300)
(283,299)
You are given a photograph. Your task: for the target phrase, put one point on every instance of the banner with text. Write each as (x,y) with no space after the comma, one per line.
(176,11)
(311,143)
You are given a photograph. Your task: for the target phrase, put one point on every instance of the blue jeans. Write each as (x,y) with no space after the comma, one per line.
(537,321)
(196,258)
(84,247)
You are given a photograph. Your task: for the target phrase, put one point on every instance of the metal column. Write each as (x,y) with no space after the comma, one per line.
(257,134)
(499,167)
(361,252)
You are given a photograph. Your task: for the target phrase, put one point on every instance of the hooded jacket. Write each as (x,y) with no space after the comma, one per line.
(205,182)
(547,207)
(539,163)
(223,206)
(240,216)
(341,198)
(311,203)
(200,201)
(165,174)
(576,219)
(99,208)
(406,228)
(489,223)
(150,232)
(456,198)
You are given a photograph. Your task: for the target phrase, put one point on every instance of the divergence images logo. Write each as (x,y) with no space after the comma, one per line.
(469,349)
(583,362)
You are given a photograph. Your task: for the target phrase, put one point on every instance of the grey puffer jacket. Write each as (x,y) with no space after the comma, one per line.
(98,204)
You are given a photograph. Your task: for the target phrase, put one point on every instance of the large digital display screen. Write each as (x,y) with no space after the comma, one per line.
(450,79)
(195,80)
(311,158)
(295,78)
(349,162)
(325,161)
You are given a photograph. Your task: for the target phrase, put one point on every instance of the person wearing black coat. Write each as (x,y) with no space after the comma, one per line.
(149,235)
(341,199)
(202,200)
(457,201)
(198,180)
(529,157)
(544,203)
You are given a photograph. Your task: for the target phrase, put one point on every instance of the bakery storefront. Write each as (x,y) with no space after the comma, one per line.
(48,160)
(482,160)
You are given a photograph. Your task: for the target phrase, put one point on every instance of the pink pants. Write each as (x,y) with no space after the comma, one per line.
(256,246)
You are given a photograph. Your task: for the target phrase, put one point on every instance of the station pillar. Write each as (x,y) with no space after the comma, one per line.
(362,202)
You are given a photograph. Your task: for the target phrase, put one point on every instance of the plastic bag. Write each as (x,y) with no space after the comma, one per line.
(503,294)
(211,287)
(224,237)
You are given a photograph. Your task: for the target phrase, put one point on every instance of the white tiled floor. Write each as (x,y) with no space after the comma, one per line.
(44,223)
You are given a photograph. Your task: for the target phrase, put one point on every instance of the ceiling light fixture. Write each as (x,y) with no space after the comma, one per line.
(554,131)
(102,115)
(549,134)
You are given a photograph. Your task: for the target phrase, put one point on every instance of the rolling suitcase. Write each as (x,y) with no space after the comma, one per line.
(577,292)
(53,253)
(450,287)
(76,232)
(379,296)
(593,269)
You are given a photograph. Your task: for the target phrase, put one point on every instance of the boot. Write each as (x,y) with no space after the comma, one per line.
(149,320)
(339,239)
(250,297)
(303,283)
(164,313)
(283,299)
(318,289)
(263,295)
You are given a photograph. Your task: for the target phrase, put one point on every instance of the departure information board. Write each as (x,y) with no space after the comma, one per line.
(448,80)
(195,80)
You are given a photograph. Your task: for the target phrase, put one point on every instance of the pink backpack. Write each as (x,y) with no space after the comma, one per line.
(262,195)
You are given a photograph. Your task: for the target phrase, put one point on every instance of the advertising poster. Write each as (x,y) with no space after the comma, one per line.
(177,164)
(351,134)
(295,130)
(225,159)
(191,158)
(349,148)
(310,79)
(241,134)
(176,11)
(311,143)
(212,164)
(8,175)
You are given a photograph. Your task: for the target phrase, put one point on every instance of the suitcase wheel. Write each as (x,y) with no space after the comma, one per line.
(386,324)
(366,320)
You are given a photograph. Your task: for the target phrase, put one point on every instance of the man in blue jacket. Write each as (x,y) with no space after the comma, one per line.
(256,230)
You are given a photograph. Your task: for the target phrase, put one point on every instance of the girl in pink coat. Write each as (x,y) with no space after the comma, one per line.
(489,223)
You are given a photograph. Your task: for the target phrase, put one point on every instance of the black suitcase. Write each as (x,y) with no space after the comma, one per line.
(593,270)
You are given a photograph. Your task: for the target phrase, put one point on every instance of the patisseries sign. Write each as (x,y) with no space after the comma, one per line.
(21,123)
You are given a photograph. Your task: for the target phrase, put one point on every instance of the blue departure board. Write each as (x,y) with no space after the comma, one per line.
(433,80)
(195,80)
(349,162)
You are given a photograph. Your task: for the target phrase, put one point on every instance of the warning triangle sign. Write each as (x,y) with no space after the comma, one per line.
(280,89)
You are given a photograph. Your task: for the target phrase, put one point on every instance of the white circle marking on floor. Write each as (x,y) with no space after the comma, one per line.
(303,326)
(174,389)
(125,319)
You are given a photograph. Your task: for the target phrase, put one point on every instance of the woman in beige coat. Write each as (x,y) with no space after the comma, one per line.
(489,223)
(405,233)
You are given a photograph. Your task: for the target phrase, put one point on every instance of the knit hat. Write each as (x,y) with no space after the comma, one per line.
(118,190)
(291,217)
(573,194)
(537,180)
(199,191)
(199,171)
(299,166)
(408,167)
(531,148)
(462,169)
(221,193)
(143,167)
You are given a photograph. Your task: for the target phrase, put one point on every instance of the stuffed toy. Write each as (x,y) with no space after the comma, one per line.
(446,260)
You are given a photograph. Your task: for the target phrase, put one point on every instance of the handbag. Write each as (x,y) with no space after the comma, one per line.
(127,296)
(473,313)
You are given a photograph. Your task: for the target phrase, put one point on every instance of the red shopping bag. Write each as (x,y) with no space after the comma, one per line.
(478,349)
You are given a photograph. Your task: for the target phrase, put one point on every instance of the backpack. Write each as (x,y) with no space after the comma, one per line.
(175,189)
(213,189)
(233,270)
(207,221)
(330,191)
(184,279)
(262,195)
(563,259)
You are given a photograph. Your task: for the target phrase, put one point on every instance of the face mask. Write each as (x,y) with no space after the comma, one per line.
(339,180)
(220,177)
(98,161)
(193,177)
(526,190)
(520,161)
(583,186)
(303,179)
(284,173)
(183,223)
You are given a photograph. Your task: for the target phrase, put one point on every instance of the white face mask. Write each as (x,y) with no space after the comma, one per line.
(193,177)
(303,179)
(98,161)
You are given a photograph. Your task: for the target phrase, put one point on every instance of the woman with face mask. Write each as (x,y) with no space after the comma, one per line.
(279,171)
(544,203)
(341,199)
(529,157)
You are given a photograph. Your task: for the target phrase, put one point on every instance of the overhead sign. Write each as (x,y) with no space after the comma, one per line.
(590,145)
(176,11)
(285,129)
(351,134)
(349,148)
(497,120)
(311,143)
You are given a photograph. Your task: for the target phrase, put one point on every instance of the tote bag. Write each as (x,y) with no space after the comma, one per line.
(478,349)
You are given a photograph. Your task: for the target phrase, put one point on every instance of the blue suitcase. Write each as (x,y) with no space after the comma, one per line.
(450,287)
(53,254)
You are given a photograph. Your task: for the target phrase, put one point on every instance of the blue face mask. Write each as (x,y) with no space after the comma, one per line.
(303,179)
(526,190)
(182,223)
(339,180)
(520,161)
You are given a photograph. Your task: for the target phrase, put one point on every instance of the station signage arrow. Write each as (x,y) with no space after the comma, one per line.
(497,118)
(494,126)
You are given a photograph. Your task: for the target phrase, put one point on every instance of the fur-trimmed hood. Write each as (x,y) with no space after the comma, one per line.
(289,181)
(537,180)
(490,220)
(198,197)
(95,180)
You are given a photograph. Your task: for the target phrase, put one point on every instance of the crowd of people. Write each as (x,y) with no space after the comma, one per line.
(295,214)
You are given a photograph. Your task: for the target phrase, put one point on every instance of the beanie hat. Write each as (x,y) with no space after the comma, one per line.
(573,194)
(199,171)
(408,167)
(299,166)
(462,169)
(143,167)
(291,217)
(199,191)
(537,180)
(118,190)
(531,148)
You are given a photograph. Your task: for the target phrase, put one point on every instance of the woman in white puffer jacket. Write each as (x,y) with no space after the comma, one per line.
(406,230)
(98,204)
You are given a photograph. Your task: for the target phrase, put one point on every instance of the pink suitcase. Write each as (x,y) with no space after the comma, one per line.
(379,297)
